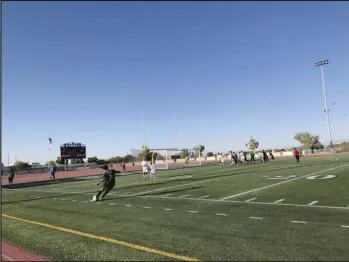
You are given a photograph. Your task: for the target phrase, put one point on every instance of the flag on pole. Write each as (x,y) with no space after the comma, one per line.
(49,143)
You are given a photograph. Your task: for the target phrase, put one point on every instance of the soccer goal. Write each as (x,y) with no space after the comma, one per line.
(170,158)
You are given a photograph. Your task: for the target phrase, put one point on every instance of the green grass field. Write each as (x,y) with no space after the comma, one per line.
(275,211)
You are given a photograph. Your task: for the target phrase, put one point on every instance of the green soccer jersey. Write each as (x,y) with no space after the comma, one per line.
(109,177)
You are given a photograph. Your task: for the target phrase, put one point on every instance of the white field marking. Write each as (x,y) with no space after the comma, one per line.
(298,222)
(253,203)
(345,226)
(147,207)
(63,199)
(192,211)
(312,203)
(184,196)
(249,200)
(74,200)
(111,204)
(128,205)
(7,257)
(200,182)
(180,177)
(279,201)
(168,209)
(203,197)
(283,182)
(167,195)
(221,214)
(260,218)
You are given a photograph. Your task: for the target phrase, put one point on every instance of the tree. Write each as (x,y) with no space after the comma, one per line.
(49,163)
(252,144)
(21,165)
(211,154)
(92,159)
(184,153)
(146,153)
(199,149)
(59,161)
(308,140)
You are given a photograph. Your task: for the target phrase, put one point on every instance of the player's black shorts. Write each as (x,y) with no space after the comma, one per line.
(297,157)
(109,185)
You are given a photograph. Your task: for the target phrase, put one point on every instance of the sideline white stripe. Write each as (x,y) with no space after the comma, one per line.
(312,203)
(278,201)
(249,200)
(298,222)
(283,182)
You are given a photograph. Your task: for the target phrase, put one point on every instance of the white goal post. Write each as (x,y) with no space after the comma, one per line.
(170,158)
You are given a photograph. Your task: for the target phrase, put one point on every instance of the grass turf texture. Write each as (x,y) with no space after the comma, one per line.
(182,212)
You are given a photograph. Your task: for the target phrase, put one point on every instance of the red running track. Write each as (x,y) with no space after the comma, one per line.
(81,173)
(13,253)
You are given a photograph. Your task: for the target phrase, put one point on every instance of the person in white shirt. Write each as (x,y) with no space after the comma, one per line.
(144,165)
(152,171)
(222,159)
(218,158)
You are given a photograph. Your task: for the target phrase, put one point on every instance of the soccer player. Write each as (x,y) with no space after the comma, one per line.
(11,174)
(144,165)
(271,155)
(241,157)
(152,171)
(265,156)
(52,172)
(108,183)
(296,155)
(123,164)
(252,157)
(234,158)
(222,159)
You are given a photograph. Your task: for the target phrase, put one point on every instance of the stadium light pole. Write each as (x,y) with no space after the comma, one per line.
(144,131)
(321,65)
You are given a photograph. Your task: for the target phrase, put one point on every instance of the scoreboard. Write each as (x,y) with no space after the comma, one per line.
(73,151)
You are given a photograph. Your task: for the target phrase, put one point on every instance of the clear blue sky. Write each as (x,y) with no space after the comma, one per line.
(83,71)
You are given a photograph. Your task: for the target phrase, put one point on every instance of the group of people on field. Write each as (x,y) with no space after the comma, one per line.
(241,157)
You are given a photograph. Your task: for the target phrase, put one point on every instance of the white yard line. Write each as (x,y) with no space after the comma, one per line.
(252,203)
(192,211)
(298,222)
(278,201)
(345,226)
(312,203)
(203,197)
(221,214)
(184,196)
(260,218)
(167,195)
(249,200)
(283,182)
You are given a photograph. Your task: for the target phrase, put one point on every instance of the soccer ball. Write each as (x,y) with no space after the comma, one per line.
(94,198)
